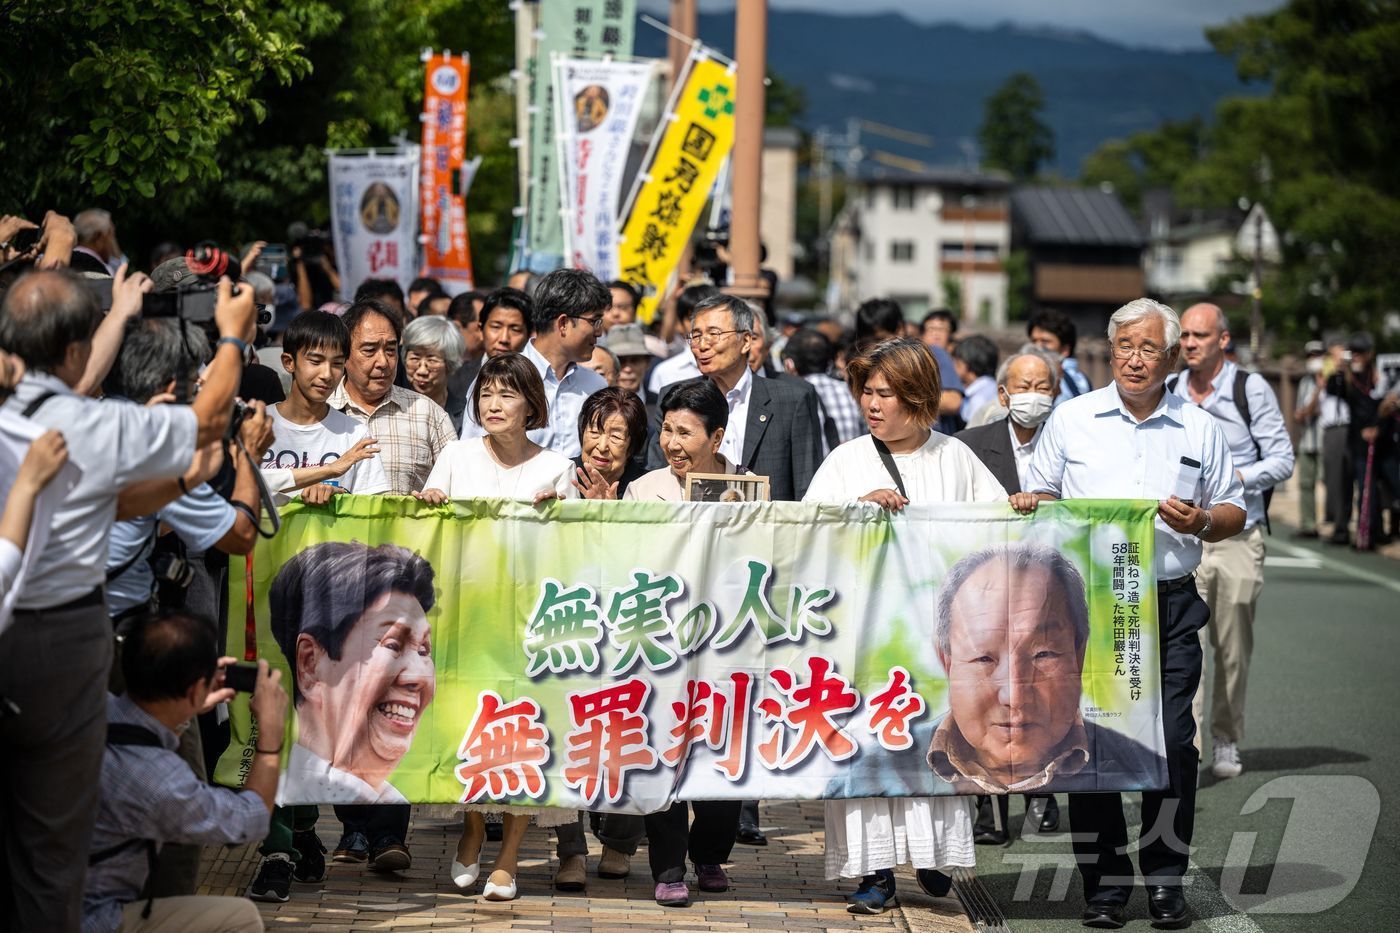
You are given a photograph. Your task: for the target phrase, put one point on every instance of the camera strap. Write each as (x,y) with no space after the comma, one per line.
(265,494)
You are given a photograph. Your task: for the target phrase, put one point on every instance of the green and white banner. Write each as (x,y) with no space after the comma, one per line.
(621,655)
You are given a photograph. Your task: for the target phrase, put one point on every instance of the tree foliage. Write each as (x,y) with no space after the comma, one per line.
(1317,150)
(194,119)
(1013,136)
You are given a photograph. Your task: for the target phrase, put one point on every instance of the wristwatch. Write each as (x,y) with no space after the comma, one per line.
(1205,529)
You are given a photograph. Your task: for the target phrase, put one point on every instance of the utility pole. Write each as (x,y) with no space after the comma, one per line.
(683,21)
(751,54)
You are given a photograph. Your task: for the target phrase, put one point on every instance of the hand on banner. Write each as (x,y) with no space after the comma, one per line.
(544,495)
(1024,502)
(218,693)
(431,496)
(320,494)
(592,485)
(888,499)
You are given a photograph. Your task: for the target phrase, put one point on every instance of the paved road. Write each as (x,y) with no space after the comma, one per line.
(1322,738)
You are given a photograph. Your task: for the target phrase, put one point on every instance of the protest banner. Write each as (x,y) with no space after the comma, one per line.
(673,186)
(566,27)
(374,216)
(599,103)
(446,249)
(620,655)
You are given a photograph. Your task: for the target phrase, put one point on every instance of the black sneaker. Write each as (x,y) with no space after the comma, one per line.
(311,868)
(274,880)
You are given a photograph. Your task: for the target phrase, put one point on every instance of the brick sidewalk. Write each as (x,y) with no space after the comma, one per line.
(780,887)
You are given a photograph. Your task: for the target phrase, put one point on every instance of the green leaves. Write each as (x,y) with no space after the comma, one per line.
(1013,136)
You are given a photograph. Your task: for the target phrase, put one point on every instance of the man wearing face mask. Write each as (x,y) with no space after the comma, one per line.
(1027,384)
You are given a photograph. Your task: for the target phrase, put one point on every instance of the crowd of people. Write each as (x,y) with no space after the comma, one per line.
(158,421)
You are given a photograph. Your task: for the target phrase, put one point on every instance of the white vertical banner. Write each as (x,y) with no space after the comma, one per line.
(597,106)
(374,216)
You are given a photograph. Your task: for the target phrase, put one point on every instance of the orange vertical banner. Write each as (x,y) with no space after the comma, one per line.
(446,250)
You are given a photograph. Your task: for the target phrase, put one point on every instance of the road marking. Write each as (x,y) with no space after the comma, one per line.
(1337,566)
(1296,563)
(1207,900)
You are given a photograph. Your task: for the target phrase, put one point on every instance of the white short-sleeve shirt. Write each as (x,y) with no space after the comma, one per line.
(114,443)
(298,446)
(1093,448)
(944,469)
(466,470)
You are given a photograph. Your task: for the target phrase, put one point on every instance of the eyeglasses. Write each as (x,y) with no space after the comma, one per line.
(709,336)
(413,358)
(1148,354)
(594,322)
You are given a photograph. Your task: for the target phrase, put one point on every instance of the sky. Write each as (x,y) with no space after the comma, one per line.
(1170,24)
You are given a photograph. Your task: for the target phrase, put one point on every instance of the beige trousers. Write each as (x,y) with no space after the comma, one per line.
(193,915)
(1229,579)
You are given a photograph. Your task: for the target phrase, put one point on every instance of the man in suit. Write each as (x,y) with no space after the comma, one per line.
(774,429)
(1027,383)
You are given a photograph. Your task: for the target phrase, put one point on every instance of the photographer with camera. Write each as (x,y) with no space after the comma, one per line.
(151,798)
(56,656)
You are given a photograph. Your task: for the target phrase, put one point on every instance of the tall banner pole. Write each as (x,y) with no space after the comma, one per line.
(526,18)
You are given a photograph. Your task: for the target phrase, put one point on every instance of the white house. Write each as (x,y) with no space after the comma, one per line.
(906,235)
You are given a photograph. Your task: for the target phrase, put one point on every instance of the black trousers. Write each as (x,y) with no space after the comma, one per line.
(1168,816)
(709,839)
(382,823)
(54,665)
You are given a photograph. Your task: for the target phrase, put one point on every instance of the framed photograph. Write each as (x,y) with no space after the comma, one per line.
(725,487)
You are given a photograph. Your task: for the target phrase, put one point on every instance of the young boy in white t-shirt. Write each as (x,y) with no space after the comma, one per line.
(319,452)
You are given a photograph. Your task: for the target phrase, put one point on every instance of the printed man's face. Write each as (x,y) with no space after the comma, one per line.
(1013,668)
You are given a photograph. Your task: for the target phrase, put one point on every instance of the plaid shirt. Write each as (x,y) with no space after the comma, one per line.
(839,407)
(151,793)
(411,429)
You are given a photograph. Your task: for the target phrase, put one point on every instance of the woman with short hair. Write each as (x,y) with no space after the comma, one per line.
(432,349)
(612,430)
(896,385)
(507,400)
(694,415)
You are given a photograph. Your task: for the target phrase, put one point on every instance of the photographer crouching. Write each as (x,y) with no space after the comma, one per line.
(56,656)
(150,797)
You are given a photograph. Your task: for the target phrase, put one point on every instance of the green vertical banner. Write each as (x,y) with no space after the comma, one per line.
(570,28)
(622,655)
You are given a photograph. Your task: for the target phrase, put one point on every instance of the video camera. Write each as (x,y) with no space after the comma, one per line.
(313,242)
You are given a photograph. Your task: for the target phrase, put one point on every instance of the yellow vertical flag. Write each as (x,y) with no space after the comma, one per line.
(698,137)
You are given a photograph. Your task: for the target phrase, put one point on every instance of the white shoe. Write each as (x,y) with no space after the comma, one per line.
(464,876)
(499,890)
(1226,762)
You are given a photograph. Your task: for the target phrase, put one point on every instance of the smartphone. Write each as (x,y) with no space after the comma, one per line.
(242,676)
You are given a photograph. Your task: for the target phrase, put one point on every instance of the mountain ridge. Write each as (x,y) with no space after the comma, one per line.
(932,78)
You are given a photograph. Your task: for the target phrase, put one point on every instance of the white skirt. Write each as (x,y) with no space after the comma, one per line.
(865,835)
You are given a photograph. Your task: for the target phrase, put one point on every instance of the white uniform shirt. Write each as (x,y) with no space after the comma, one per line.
(114,443)
(1266,426)
(1093,448)
(565,396)
(670,371)
(1023,452)
(732,445)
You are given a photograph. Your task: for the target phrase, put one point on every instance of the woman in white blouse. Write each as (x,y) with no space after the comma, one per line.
(507,400)
(896,385)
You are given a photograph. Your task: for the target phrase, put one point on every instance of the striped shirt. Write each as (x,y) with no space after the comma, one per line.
(839,407)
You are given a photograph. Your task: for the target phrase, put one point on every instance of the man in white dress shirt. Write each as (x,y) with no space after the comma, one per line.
(1135,440)
(569,309)
(56,656)
(1231,575)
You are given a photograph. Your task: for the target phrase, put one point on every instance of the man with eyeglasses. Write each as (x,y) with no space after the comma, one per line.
(1135,440)
(569,309)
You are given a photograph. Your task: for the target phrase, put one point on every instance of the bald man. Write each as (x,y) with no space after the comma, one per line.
(1231,574)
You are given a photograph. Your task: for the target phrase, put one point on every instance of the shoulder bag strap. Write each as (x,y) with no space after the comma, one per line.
(887,459)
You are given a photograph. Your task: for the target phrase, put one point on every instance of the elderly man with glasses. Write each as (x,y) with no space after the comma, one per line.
(1135,440)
